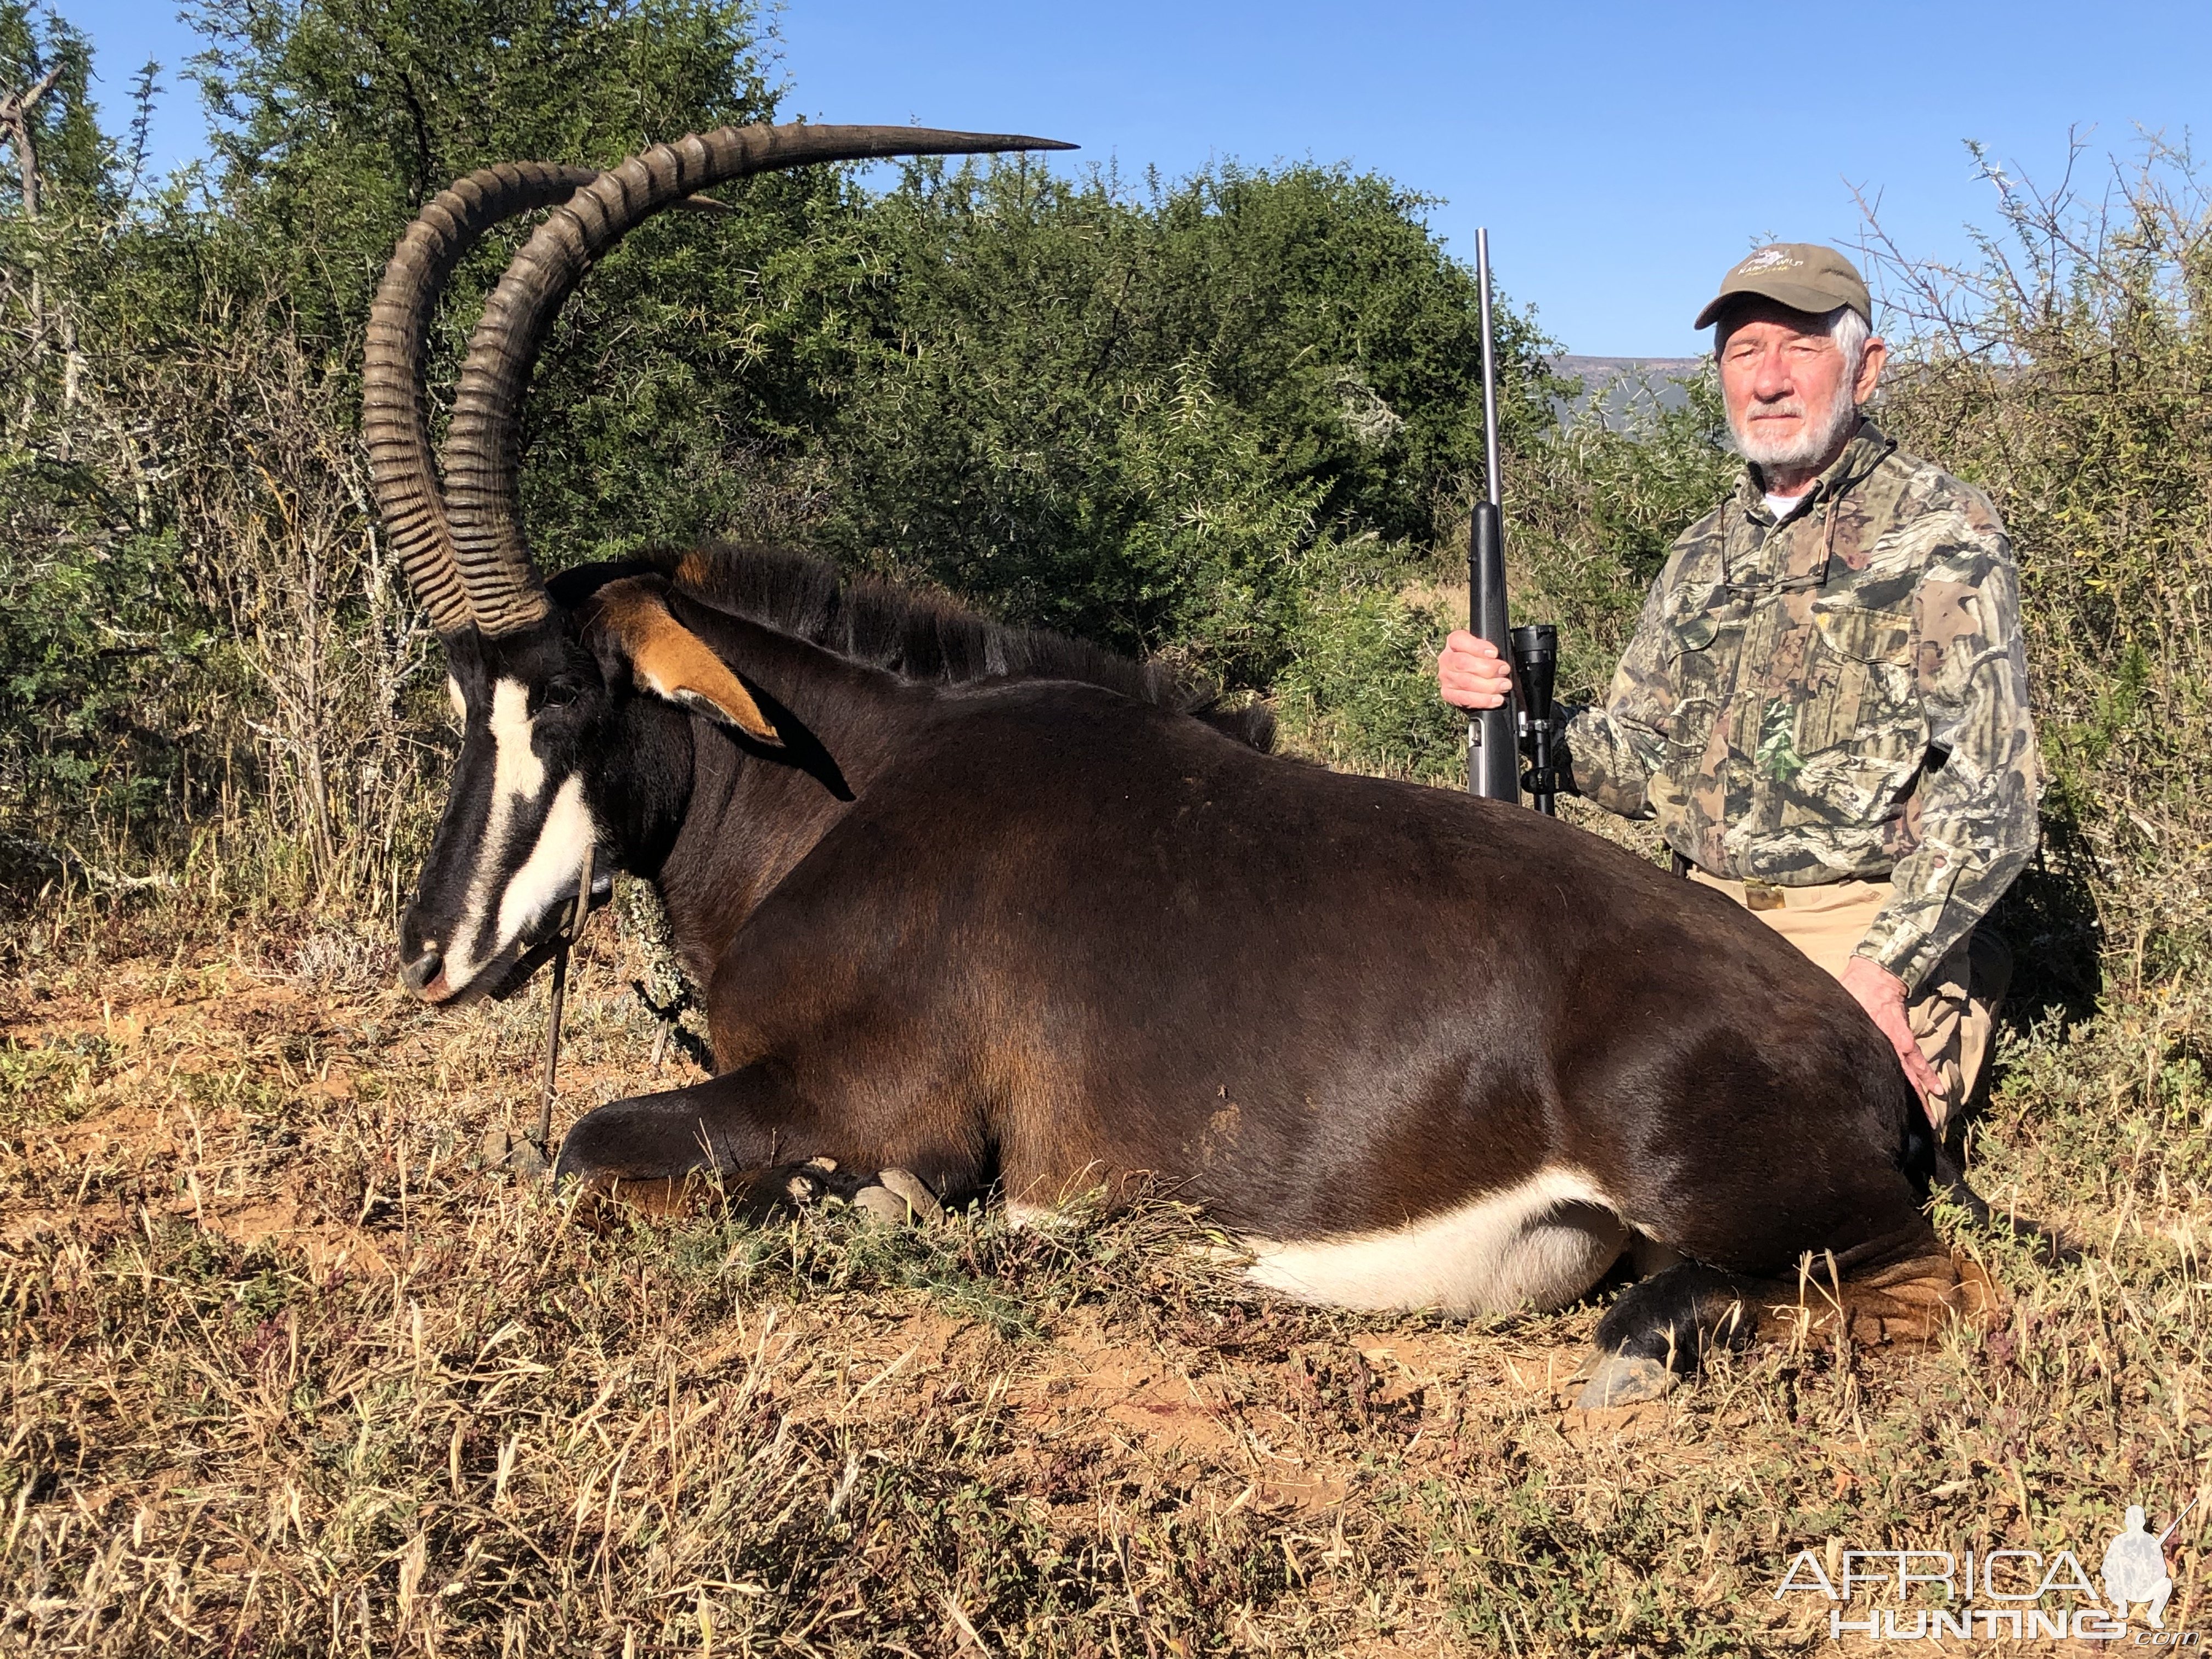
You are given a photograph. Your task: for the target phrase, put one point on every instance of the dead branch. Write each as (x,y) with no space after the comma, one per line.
(16,119)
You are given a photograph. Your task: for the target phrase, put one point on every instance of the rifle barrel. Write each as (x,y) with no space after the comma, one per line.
(2178,1519)
(1489,371)
(1493,767)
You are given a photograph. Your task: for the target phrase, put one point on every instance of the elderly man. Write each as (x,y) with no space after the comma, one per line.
(1825,704)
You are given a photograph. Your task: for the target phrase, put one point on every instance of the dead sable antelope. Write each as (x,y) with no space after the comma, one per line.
(991,907)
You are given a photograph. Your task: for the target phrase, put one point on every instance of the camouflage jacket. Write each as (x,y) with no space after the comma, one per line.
(1840,696)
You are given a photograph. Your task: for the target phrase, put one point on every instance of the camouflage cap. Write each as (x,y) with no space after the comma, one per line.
(1803,275)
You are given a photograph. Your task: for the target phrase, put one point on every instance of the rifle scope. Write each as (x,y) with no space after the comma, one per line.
(1536,664)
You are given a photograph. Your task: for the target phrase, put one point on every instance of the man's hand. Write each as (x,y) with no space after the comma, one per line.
(1469,673)
(1881,993)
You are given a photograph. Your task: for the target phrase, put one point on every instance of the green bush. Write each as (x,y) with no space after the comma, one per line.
(1360,689)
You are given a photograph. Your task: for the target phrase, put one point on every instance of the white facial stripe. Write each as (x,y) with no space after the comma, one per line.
(1541,1243)
(516,769)
(551,870)
(510,732)
(460,703)
(518,776)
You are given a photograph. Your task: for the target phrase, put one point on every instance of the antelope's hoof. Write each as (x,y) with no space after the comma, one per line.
(912,1190)
(899,1195)
(1619,1379)
(809,1183)
(881,1204)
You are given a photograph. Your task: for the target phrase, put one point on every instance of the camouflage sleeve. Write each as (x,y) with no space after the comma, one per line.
(1977,812)
(1612,752)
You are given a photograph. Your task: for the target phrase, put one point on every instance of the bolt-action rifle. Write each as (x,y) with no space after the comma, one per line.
(1527,720)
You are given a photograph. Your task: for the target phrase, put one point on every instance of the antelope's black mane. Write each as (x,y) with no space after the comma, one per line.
(920,635)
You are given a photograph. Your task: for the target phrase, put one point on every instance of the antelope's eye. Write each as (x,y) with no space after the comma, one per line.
(562,691)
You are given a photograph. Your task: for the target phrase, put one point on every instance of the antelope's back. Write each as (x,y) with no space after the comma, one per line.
(1322,993)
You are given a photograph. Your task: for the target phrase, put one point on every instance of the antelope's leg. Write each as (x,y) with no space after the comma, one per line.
(1662,1326)
(1908,1301)
(656,1150)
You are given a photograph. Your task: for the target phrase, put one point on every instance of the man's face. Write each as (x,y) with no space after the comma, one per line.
(1784,381)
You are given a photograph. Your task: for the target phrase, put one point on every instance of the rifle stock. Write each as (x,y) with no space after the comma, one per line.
(1493,767)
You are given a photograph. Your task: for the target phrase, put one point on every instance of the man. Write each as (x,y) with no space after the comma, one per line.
(1825,704)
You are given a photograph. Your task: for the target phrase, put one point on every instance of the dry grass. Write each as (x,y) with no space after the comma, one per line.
(288,1372)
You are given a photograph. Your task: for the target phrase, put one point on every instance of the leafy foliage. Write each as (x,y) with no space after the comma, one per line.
(94,628)
(1598,504)
(75,158)
(334,120)
(1113,415)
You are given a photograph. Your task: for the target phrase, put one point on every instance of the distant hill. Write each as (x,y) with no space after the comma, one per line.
(1607,368)
(1623,382)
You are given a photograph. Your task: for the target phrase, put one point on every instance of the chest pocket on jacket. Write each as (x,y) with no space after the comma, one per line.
(1692,633)
(1865,634)
(1862,694)
(1693,621)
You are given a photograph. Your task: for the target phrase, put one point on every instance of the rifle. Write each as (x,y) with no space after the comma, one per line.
(1533,651)
(2178,1519)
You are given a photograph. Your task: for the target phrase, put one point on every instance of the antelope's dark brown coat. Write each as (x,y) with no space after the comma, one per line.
(1052,935)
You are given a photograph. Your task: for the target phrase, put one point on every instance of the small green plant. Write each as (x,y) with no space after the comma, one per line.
(52,1083)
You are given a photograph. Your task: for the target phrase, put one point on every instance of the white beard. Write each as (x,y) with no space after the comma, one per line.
(1812,445)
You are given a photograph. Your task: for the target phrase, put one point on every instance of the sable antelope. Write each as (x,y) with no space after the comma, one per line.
(996,908)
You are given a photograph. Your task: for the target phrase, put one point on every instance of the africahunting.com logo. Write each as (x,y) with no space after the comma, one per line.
(2004,1593)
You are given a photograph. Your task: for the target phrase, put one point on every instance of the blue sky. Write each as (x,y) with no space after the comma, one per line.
(1622,155)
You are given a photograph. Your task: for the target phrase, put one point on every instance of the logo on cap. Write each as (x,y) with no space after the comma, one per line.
(1767,259)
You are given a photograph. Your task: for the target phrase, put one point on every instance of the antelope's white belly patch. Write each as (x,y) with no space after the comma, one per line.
(1538,1244)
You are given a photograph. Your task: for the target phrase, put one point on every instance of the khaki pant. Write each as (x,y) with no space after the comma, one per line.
(1953,1012)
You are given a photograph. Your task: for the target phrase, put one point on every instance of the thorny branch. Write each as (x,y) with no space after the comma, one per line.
(16,118)
(15,121)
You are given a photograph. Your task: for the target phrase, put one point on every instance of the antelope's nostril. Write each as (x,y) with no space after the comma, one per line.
(420,972)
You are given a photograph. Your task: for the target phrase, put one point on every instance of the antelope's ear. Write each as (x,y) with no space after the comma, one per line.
(671,661)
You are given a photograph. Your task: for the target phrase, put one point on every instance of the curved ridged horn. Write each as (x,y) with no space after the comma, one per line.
(400,469)
(482,443)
